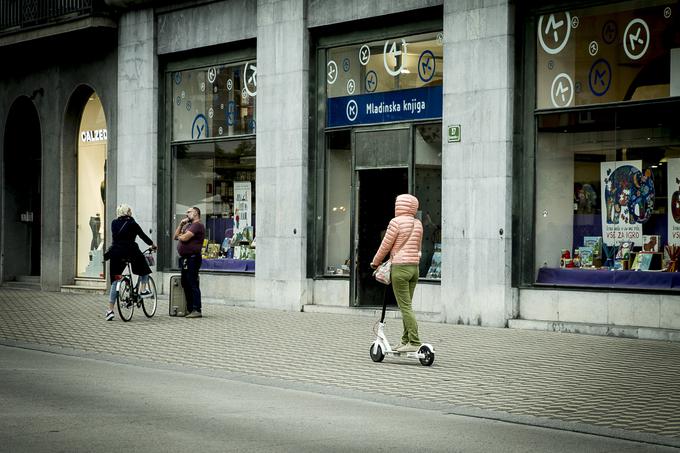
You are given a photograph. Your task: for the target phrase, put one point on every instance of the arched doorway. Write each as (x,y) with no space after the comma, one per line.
(91,188)
(22,164)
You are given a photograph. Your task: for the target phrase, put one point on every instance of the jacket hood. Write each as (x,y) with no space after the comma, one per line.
(406,204)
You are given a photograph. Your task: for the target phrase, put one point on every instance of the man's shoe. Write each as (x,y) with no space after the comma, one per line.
(194,314)
(408,348)
(145,294)
(109,315)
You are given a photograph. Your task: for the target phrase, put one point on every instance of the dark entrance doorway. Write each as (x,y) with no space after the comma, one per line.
(382,170)
(22,198)
(377,190)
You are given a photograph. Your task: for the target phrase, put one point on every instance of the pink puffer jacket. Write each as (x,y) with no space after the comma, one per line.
(398,232)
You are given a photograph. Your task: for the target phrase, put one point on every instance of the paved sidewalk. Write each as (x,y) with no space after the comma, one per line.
(610,386)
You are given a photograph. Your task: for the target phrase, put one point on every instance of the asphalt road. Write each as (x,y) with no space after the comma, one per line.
(52,402)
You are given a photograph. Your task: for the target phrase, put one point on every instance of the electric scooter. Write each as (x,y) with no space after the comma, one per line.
(381,346)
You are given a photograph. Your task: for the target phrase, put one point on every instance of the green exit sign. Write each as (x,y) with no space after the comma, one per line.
(454,133)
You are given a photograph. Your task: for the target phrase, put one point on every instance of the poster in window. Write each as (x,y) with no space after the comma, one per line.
(673,201)
(625,193)
(242,204)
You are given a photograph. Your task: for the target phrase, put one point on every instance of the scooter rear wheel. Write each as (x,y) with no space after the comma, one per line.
(429,356)
(378,355)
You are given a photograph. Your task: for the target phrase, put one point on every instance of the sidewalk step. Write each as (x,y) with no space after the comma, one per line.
(23,285)
(35,279)
(82,289)
(90,282)
(643,333)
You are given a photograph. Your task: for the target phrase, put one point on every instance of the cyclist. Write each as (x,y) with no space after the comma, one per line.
(124,231)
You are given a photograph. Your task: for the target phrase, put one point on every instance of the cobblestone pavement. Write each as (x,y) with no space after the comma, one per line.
(612,386)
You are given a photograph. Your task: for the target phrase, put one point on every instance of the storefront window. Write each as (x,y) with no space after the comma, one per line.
(338,199)
(428,182)
(605,177)
(213,160)
(219,179)
(92,145)
(607,194)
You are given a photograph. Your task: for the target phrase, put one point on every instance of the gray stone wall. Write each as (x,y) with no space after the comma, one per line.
(477,172)
(136,156)
(206,25)
(328,12)
(282,153)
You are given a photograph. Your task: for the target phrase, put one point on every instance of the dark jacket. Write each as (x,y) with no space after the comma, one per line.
(124,231)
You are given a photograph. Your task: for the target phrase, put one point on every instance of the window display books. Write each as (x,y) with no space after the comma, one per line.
(586,254)
(624,250)
(651,243)
(595,243)
(644,260)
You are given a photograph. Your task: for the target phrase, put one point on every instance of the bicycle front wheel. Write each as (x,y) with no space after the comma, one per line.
(124,299)
(149,303)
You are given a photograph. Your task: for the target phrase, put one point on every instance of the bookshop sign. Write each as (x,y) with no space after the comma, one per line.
(384,107)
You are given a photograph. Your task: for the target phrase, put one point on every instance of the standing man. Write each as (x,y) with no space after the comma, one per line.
(190,233)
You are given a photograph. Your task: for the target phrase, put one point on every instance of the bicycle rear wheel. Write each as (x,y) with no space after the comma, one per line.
(149,303)
(124,300)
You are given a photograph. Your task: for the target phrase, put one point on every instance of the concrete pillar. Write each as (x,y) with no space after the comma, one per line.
(282,153)
(477,171)
(135,156)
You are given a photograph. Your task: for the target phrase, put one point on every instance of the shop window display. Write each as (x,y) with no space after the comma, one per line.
(607,147)
(219,178)
(607,185)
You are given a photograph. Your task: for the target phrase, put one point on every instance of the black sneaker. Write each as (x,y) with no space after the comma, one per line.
(109,315)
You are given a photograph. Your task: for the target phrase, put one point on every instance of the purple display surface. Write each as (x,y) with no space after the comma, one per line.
(608,278)
(228,264)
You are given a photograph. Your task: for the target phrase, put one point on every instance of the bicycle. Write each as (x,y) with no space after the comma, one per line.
(128,292)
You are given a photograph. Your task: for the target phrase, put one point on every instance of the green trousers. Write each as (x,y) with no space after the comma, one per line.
(404,279)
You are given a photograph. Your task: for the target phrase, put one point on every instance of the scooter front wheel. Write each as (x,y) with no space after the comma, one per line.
(377,354)
(429,356)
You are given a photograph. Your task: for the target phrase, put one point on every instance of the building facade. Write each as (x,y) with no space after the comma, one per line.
(527,130)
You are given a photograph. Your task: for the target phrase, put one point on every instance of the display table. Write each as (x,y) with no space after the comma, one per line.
(228,264)
(613,279)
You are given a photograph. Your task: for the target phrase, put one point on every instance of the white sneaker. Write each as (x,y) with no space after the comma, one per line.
(408,348)
(109,315)
(145,294)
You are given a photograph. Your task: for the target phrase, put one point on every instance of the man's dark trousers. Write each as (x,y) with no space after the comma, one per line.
(190,266)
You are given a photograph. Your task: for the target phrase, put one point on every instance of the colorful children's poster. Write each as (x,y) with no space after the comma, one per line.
(627,200)
(673,201)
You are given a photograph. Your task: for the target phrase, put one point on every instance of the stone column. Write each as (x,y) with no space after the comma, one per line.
(477,171)
(282,155)
(135,158)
